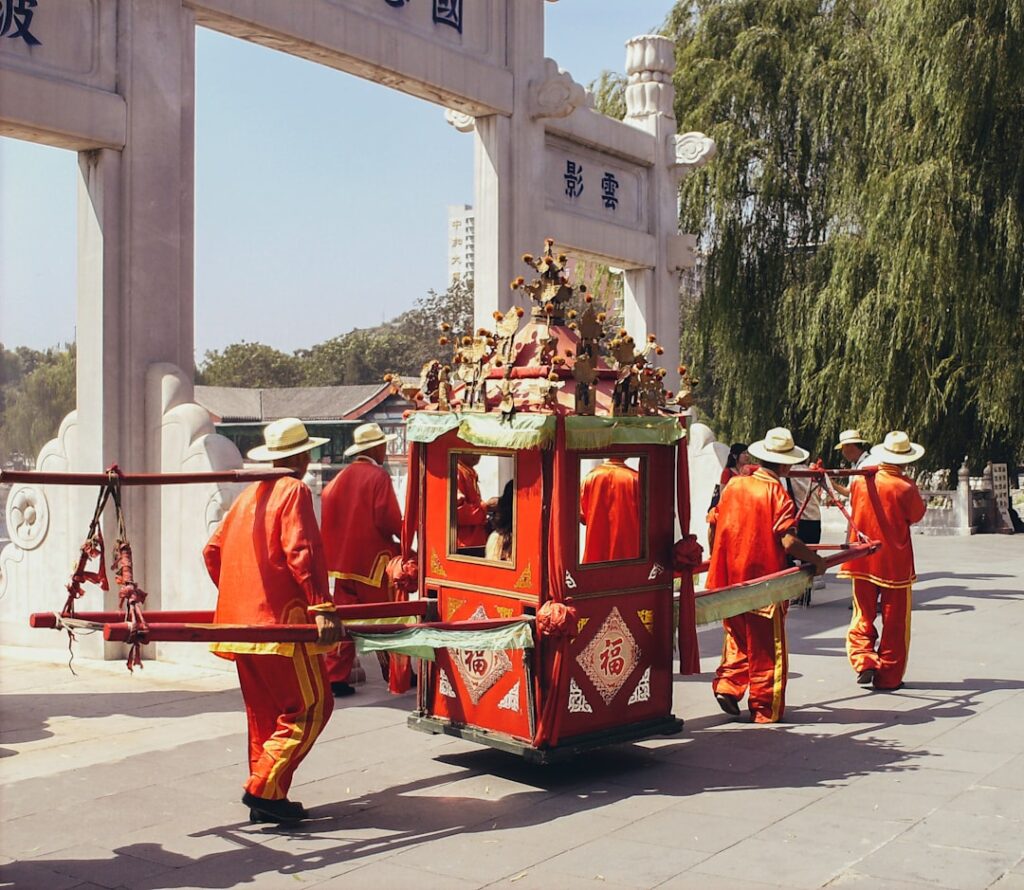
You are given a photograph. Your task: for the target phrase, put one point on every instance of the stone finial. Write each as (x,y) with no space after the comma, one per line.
(650,62)
(689,151)
(464,123)
(557,94)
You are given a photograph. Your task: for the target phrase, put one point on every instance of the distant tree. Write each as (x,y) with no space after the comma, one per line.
(249,365)
(35,402)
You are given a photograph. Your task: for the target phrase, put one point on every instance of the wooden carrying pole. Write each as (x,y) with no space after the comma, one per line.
(39,477)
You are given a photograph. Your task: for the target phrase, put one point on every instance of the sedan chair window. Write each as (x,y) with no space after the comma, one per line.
(611,508)
(482,507)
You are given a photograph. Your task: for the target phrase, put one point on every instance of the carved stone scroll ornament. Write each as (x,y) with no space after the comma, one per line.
(690,151)
(557,94)
(464,123)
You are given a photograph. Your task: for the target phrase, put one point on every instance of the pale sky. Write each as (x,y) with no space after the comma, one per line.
(314,189)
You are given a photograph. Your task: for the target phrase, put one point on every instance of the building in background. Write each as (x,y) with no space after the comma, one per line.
(461,242)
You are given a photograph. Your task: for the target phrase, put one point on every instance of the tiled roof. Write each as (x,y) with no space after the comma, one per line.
(234,404)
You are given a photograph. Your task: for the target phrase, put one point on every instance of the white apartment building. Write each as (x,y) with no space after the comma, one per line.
(461,242)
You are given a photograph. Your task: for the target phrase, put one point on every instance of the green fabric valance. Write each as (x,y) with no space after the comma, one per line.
(583,432)
(538,430)
(420,642)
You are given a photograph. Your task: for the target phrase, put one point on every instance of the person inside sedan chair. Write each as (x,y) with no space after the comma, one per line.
(755,530)
(267,560)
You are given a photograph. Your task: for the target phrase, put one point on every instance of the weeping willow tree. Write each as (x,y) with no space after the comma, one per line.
(863,216)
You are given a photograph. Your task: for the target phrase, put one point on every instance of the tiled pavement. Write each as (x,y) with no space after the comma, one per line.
(110,780)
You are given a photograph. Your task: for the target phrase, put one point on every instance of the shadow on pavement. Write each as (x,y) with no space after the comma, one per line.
(24,718)
(712,758)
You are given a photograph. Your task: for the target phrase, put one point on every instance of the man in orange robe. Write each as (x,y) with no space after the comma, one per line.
(470,508)
(884,508)
(267,560)
(610,509)
(755,529)
(360,520)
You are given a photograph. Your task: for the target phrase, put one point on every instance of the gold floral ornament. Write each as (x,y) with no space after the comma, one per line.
(551,290)
(639,387)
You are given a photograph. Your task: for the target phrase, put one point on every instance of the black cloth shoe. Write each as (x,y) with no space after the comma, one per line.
(728,703)
(340,690)
(866,678)
(263,809)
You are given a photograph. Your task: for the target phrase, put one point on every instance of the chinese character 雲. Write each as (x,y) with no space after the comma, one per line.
(15,17)
(448,12)
(612,661)
(573,177)
(609,185)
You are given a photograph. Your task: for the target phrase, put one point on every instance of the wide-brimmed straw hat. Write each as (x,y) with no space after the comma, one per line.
(283,438)
(897,449)
(367,436)
(850,437)
(777,448)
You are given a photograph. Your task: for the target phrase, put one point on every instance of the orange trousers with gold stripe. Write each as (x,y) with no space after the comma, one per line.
(755,662)
(889,660)
(287,704)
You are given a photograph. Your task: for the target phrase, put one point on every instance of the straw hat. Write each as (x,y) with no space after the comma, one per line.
(850,437)
(367,436)
(897,449)
(777,448)
(283,438)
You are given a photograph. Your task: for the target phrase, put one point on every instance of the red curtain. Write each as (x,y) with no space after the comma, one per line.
(686,557)
(556,618)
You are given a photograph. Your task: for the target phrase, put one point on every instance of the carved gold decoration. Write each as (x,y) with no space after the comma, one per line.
(646,617)
(526,579)
(454,605)
(580,624)
(504,611)
(436,566)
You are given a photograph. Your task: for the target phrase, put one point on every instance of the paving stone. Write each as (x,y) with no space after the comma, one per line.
(799,864)
(627,862)
(949,828)
(480,858)
(953,867)
(379,875)
(87,862)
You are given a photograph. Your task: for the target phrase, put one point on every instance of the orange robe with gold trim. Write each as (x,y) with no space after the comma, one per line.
(883,509)
(470,510)
(267,560)
(751,518)
(360,520)
(610,509)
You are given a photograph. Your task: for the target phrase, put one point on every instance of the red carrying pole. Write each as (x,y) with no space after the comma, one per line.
(815,473)
(415,608)
(39,477)
(123,632)
(843,554)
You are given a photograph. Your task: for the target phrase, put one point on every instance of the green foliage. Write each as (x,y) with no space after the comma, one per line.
(37,390)
(360,356)
(610,94)
(862,218)
(251,365)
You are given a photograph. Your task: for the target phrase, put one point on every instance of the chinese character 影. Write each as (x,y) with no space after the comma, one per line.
(573,177)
